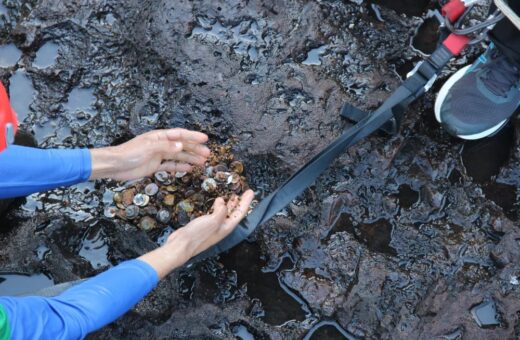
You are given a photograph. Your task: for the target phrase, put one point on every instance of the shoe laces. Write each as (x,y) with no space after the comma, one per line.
(500,75)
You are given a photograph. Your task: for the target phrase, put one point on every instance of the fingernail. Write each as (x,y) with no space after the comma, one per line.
(178,144)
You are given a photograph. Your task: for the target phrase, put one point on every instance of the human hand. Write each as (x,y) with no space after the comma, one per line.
(199,234)
(169,150)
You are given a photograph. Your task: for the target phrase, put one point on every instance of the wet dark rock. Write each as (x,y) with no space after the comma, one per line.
(401,238)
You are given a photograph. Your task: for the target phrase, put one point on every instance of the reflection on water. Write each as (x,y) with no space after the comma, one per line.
(46,55)
(21,93)
(9,55)
(94,247)
(12,284)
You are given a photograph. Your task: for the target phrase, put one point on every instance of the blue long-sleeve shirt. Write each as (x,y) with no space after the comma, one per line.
(25,170)
(89,305)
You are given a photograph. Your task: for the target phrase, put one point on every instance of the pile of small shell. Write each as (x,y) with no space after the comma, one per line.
(175,200)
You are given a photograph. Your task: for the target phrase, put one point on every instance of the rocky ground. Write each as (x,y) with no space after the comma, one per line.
(410,236)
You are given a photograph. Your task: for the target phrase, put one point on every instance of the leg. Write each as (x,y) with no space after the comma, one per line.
(506,37)
(480,99)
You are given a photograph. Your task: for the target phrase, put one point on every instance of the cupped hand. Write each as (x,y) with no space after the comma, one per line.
(170,150)
(199,234)
(205,231)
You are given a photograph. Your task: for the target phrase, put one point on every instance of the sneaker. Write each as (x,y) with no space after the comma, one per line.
(478,100)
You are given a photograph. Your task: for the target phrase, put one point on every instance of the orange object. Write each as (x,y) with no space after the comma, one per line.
(8,121)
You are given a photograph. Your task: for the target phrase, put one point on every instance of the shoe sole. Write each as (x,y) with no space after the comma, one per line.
(442,96)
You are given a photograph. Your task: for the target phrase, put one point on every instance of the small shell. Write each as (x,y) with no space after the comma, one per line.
(209,185)
(180,174)
(220,168)
(183,218)
(222,176)
(150,210)
(151,189)
(141,200)
(169,200)
(233,178)
(237,167)
(118,197)
(110,211)
(171,188)
(209,171)
(185,206)
(128,196)
(162,177)
(147,223)
(131,212)
(164,216)
(236,187)
(198,198)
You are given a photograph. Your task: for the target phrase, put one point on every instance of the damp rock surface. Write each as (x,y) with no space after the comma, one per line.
(410,236)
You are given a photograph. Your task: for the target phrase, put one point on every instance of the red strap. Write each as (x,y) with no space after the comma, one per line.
(453,10)
(7,115)
(456,43)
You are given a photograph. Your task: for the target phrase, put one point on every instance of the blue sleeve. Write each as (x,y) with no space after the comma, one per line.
(25,170)
(82,308)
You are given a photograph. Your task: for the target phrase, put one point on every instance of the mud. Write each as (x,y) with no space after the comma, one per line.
(409,236)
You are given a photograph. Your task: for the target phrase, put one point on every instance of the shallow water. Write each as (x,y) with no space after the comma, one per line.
(94,248)
(9,55)
(412,213)
(21,92)
(278,305)
(46,55)
(313,57)
(485,314)
(13,284)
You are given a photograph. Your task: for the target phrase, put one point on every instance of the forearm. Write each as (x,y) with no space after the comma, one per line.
(105,162)
(25,170)
(82,308)
(170,256)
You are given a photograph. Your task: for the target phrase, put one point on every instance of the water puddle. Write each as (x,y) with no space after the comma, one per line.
(51,129)
(340,224)
(13,284)
(278,305)
(505,196)
(80,105)
(407,196)
(42,252)
(94,247)
(46,55)
(163,237)
(242,332)
(427,36)
(485,314)
(376,236)
(21,93)
(328,330)
(483,158)
(408,7)
(4,10)
(455,335)
(313,57)
(9,55)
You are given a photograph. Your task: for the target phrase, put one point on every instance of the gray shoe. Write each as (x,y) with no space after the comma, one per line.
(479,100)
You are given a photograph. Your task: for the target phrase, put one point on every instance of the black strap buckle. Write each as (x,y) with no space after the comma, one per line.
(354,114)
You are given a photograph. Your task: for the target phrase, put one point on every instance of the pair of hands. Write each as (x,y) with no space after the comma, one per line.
(172,150)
